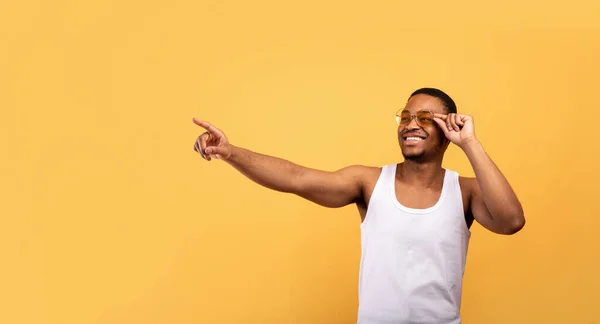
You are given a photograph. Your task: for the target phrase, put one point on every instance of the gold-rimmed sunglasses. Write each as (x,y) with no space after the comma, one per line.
(423,117)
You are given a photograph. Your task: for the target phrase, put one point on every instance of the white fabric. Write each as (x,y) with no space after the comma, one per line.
(413,260)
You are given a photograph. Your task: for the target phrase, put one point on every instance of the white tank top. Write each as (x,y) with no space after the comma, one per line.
(412,260)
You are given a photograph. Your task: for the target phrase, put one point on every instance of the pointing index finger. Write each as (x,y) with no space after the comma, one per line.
(201,123)
(210,128)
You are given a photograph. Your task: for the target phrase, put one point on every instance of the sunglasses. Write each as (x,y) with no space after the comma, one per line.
(424,118)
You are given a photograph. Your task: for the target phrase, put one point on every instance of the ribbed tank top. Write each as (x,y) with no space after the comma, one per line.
(413,260)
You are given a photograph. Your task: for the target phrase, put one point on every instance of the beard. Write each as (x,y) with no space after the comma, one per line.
(415,157)
(425,155)
(418,157)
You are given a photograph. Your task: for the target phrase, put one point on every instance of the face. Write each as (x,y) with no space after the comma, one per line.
(422,140)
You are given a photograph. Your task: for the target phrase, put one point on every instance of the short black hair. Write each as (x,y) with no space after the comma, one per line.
(441,95)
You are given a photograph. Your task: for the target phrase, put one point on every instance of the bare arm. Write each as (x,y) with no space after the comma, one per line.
(329,189)
(494,204)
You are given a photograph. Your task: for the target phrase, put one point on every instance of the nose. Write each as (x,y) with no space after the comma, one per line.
(413,124)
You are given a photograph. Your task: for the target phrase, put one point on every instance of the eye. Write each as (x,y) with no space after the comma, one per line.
(425,117)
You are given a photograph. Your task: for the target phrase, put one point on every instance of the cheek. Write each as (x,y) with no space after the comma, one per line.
(399,130)
(431,131)
(436,135)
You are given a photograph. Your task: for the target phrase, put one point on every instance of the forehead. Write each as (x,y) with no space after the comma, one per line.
(425,102)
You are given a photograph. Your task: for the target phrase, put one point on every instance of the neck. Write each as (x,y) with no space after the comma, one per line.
(422,174)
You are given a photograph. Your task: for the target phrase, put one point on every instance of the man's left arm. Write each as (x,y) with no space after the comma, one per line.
(494,204)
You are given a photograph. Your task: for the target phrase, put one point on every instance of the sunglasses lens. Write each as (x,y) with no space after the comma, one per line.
(425,117)
(404,118)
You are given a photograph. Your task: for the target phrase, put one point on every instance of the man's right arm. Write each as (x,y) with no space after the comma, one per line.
(326,188)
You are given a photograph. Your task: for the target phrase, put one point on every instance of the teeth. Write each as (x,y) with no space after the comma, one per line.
(414,139)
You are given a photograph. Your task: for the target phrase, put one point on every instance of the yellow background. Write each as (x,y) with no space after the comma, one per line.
(108,216)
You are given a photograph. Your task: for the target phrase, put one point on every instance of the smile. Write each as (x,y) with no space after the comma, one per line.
(413,138)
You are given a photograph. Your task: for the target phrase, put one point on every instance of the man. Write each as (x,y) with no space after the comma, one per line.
(416,215)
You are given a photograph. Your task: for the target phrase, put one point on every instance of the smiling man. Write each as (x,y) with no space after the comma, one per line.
(416,216)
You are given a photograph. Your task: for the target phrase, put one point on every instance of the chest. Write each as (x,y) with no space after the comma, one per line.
(423,198)
(416,217)
(417,198)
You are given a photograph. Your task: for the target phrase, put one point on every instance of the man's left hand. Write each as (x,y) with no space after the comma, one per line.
(458,128)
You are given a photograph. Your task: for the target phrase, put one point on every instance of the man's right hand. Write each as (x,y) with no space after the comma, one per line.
(326,188)
(212,143)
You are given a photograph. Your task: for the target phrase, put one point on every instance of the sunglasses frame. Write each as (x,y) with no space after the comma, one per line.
(399,113)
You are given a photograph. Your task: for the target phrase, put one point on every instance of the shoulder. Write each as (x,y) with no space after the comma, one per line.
(362,172)
(362,176)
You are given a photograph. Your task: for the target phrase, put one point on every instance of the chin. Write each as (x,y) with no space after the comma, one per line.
(414,156)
